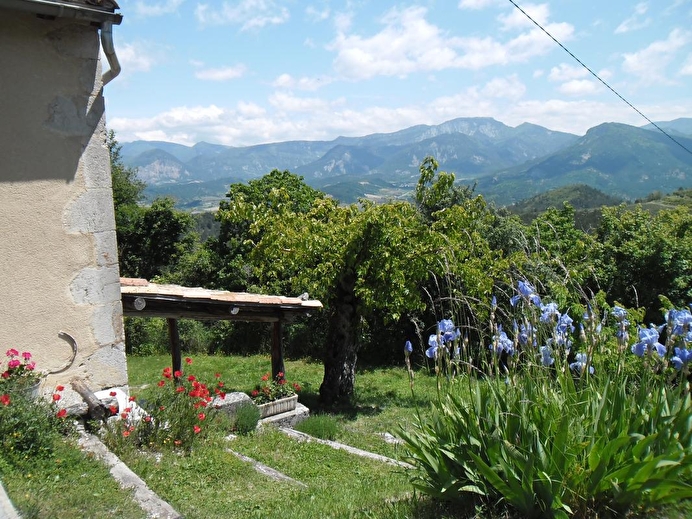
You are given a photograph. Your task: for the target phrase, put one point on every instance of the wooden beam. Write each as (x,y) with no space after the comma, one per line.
(174,340)
(277,350)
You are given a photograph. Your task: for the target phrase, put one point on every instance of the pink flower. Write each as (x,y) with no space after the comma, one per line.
(5,374)
(26,355)
(30,366)
(12,352)
(13,364)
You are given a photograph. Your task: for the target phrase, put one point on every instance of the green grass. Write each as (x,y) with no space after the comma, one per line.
(67,485)
(213,483)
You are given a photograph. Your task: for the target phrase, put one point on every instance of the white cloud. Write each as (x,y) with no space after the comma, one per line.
(518,20)
(635,21)
(508,87)
(409,44)
(303,83)
(565,72)
(317,15)
(686,69)
(286,102)
(157,8)
(580,87)
(222,73)
(249,14)
(478,4)
(650,63)
(135,57)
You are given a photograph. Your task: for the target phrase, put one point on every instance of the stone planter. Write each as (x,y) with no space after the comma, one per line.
(283,405)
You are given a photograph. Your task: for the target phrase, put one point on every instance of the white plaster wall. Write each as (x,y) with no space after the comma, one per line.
(58,257)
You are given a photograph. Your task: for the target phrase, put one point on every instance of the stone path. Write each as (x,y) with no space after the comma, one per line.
(7,510)
(335,445)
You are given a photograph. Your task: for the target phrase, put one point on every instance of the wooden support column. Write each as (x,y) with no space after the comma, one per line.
(277,350)
(174,340)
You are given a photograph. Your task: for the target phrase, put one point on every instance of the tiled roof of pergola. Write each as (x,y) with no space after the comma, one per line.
(144,299)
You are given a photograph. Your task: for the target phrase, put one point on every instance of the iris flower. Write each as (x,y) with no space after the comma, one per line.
(526,291)
(580,363)
(648,340)
(682,357)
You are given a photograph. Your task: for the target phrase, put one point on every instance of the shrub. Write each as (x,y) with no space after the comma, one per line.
(29,427)
(552,432)
(175,414)
(320,426)
(247,416)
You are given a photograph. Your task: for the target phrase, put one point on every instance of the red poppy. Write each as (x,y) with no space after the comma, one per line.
(56,397)
(197,429)
(201,416)
(113,409)
(177,373)
(132,398)
(255,392)
(147,418)
(220,384)
(5,399)
(161,383)
(179,389)
(217,375)
(112,393)
(59,388)
(126,433)
(265,377)
(62,413)
(123,416)
(191,378)
(5,374)
(188,360)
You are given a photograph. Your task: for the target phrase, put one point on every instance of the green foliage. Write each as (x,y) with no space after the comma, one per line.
(247,416)
(177,413)
(556,439)
(29,428)
(320,426)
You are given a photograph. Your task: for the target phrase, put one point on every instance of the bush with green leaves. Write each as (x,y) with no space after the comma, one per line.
(322,426)
(175,414)
(551,432)
(247,415)
(30,426)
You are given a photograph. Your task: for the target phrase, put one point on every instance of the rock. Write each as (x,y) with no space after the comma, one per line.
(231,402)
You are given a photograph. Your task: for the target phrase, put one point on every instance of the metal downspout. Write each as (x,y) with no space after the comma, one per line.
(109,51)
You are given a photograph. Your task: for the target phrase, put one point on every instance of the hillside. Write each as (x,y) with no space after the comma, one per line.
(507,164)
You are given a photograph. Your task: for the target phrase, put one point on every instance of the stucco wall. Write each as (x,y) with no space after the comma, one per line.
(58,259)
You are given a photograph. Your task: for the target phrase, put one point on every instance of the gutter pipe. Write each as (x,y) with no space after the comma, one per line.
(57,9)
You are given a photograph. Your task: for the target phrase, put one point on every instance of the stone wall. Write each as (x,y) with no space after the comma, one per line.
(58,257)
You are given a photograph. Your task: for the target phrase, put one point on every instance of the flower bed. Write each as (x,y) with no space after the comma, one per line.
(282,405)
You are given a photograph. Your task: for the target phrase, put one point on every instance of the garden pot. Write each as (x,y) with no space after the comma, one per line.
(282,405)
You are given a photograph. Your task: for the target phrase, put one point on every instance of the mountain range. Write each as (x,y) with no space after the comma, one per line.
(506,164)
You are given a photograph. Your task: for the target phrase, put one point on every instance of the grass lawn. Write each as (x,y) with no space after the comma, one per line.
(213,483)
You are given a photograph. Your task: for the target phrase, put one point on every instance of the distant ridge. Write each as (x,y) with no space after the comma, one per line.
(507,164)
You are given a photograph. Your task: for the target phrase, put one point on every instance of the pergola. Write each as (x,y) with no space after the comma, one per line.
(141,298)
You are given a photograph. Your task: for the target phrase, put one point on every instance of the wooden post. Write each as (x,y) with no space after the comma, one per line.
(97,410)
(277,350)
(174,340)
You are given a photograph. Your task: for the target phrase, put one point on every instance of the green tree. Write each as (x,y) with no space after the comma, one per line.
(150,239)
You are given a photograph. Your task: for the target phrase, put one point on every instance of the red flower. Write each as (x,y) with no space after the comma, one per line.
(296,386)
(282,381)
(126,433)
(14,363)
(112,393)
(59,388)
(26,355)
(5,374)
(30,366)
(201,416)
(5,399)
(62,413)
(123,416)
(167,372)
(128,409)
(131,399)
(222,395)
(177,442)
(113,409)
(188,360)
(162,407)
(179,389)
(255,392)
(265,377)
(280,374)
(177,373)
(56,397)
(191,378)
(220,384)
(217,375)
(161,383)
(147,418)
(197,429)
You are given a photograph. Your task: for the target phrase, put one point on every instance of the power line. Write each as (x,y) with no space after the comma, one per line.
(601,80)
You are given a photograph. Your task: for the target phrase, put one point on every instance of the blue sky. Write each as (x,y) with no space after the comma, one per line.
(246,72)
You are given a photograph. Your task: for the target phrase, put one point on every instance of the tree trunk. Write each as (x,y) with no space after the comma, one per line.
(340,357)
